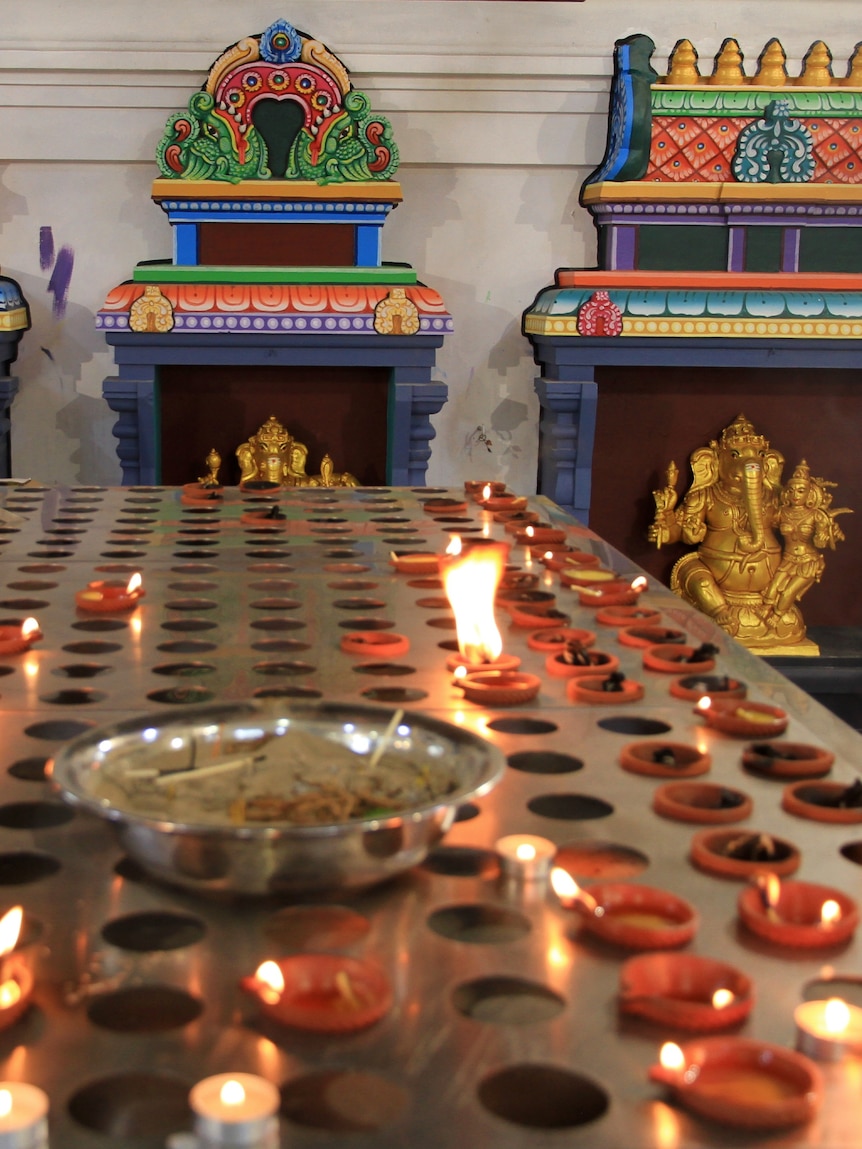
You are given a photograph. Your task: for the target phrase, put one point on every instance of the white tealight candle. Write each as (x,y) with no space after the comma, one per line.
(829,1029)
(236,1109)
(525,857)
(23,1116)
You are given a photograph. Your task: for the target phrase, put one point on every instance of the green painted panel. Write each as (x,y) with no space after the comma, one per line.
(830,249)
(763,248)
(681,248)
(169,273)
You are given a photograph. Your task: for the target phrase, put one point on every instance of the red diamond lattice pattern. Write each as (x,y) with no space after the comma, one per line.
(699,149)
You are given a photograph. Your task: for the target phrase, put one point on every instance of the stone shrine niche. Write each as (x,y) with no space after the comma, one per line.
(728,211)
(277,182)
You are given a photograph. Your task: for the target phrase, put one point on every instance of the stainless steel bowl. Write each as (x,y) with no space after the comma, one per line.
(277,859)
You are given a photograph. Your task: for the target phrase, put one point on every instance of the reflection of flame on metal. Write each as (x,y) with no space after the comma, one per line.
(470,580)
(5,1103)
(232,1093)
(269,982)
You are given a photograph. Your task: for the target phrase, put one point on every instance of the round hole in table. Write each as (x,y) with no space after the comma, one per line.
(124,554)
(269,604)
(852,851)
(479,924)
(117,568)
(608,860)
(353,584)
(69,697)
(518,725)
(462,862)
(284,669)
(394,694)
(623,724)
(842,985)
(41,568)
(181,695)
(344,553)
(32,585)
(34,815)
(278,624)
(273,585)
(342,1101)
(193,586)
(99,625)
(183,669)
(25,604)
(542,1097)
(50,554)
(81,670)
(22,867)
(29,769)
(93,647)
(267,553)
(195,569)
(180,625)
(503,1000)
(280,645)
(287,692)
(466,812)
(57,729)
(153,930)
(544,762)
(570,807)
(144,1009)
(143,1108)
(191,604)
(442,622)
(393,669)
(187,646)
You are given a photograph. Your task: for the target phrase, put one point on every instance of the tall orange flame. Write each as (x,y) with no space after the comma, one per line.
(470,581)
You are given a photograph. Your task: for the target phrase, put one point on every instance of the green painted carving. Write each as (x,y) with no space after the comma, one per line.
(355,145)
(709,102)
(775,149)
(197,145)
(627,150)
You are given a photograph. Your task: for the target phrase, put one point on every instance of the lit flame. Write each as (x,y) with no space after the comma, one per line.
(639,584)
(270,982)
(232,1093)
(455,545)
(704,703)
(5,1102)
(830,913)
(10,993)
(10,928)
(29,627)
(770,889)
(671,1056)
(134,584)
(470,582)
(525,852)
(836,1016)
(529,532)
(486,492)
(547,556)
(722,998)
(568,890)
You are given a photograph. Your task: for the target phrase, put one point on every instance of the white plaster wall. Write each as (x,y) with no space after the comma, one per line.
(499,110)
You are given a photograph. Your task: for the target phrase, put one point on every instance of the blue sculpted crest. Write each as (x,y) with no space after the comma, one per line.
(280,43)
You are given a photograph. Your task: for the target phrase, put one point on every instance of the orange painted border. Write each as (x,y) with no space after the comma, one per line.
(708,280)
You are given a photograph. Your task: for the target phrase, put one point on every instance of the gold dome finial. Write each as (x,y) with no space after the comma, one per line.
(771,67)
(682,66)
(853,78)
(728,65)
(816,67)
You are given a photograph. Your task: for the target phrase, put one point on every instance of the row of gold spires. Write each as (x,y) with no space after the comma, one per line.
(771,67)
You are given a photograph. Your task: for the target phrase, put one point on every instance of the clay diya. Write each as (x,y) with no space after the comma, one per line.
(514,521)
(629,915)
(664,759)
(376,643)
(499,687)
(670,658)
(626,616)
(193,494)
(797,914)
(558,558)
(589,576)
(539,533)
(741,1083)
(505,502)
(535,618)
(518,580)
(787,760)
(641,636)
(274,517)
(828,1030)
(415,562)
(685,991)
(16,639)
(326,993)
(742,719)
(503,661)
(548,640)
(475,487)
(513,598)
(696,686)
(743,853)
(566,664)
(107,597)
(701,802)
(604,689)
(824,801)
(616,593)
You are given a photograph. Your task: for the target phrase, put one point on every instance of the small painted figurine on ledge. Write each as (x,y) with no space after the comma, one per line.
(273,455)
(740,574)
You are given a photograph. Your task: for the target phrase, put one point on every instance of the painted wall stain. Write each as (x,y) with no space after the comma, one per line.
(46,247)
(63,264)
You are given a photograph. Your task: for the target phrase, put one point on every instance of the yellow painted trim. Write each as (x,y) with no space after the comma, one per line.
(648,191)
(387,191)
(14,320)
(715,328)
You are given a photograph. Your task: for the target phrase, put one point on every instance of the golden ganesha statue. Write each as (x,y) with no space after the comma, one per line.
(273,455)
(741,575)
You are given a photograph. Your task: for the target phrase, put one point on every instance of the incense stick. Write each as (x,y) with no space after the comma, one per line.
(384,739)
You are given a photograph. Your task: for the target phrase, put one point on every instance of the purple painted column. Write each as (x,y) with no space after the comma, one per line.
(790,249)
(736,249)
(623,247)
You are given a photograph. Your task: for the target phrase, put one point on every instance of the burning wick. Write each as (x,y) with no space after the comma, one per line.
(722,998)
(639,584)
(232,1093)
(568,891)
(770,891)
(10,931)
(671,1057)
(836,1016)
(269,982)
(830,914)
(525,852)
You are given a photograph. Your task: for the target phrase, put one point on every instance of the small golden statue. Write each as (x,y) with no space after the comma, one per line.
(213,462)
(273,455)
(740,574)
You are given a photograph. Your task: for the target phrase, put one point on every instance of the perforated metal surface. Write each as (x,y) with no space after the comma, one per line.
(489,979)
